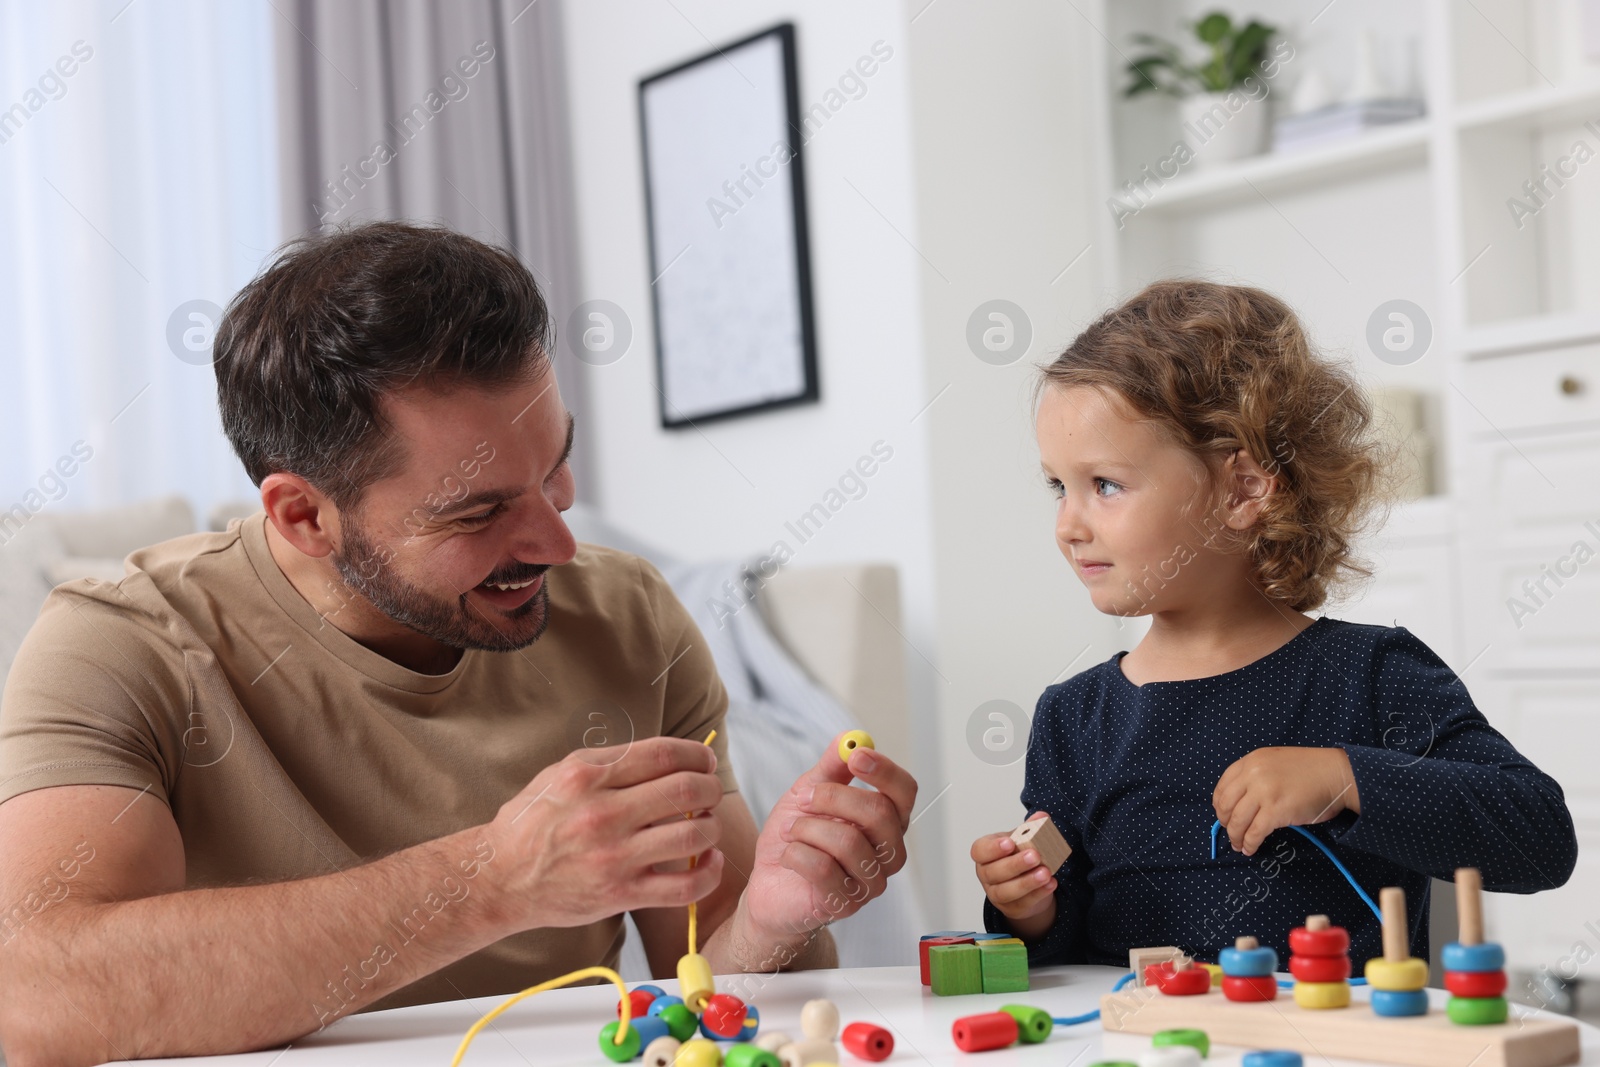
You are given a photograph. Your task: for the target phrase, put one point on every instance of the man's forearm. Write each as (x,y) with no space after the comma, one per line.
(227,970)
(735,947)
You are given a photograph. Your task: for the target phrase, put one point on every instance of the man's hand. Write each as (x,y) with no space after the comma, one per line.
(1276,787)
(828,848)
(1016,883)
(582,839)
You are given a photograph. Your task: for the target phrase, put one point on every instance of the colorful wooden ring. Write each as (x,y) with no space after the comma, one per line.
(1033,1024)
(1333,941)
(619,1053)
(853,740)
(1476,1011)
(865,1041)
(749,1056)
(1170,1056)
(1248,962)
(980,1033)
(1195,1039)
(1475,983)
(1319,968)
(1395,1003)
(1250,988)
(1487,956)
(1397,976)
(1273,1057)
(1320,995)
(1189,982)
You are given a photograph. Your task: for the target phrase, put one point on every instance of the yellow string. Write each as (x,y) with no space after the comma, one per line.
(625,1005)
(566,979)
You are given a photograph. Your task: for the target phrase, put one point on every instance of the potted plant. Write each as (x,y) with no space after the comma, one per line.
(1221,96)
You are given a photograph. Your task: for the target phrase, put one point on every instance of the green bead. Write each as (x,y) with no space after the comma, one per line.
(1196,1039)
(629,1049)
(1113,1063)
(749,1056)
(1476,1011)
(681,1022)
(1033,1024)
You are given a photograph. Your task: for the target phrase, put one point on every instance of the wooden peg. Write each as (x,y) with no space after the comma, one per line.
(1246,944)
(1041,835)
(1318,922)
(1396,935)
(1469,905)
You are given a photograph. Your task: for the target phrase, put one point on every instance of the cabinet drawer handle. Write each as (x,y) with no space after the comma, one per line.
(1570,386)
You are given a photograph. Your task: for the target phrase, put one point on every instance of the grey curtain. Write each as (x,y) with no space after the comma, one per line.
(452,112)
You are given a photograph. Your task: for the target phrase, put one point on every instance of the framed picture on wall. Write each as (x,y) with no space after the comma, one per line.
(729,263)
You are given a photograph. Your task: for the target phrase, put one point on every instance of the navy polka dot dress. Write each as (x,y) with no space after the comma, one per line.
(1127,773)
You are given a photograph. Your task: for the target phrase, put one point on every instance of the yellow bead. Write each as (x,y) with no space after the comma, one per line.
(1216,974)
(695,985)
(853,740)
(698,1052)
(1322,994)
(1398,976)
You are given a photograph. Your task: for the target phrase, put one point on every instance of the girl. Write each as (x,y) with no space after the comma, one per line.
(1212,473)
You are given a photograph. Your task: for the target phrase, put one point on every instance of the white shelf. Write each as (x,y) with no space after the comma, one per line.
(1389,148)
(1531,334)
(1532,108)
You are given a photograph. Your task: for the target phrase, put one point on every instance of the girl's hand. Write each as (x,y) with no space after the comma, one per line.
(1016,883)
(1276,787)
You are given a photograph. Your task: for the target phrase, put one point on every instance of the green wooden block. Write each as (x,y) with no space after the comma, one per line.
(955,970)
(1004,968)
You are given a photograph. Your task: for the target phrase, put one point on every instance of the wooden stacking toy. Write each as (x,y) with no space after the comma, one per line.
(1178,978)
(1474,969)
(1248,971)
(1319,959)
(1397,978)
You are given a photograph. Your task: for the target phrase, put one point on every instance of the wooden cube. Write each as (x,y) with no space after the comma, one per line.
(1140,958)
(1041,835)
(955,970)
(1005,966)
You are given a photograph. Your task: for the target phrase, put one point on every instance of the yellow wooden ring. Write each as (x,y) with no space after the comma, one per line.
(1216,974)
(1397,976)
(853,740)
(695,984)
(1322,994)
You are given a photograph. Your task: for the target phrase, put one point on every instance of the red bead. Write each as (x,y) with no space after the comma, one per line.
(867,1042)
(641,999)
(979,1033)
(724,1015)
(1191,981)
(1319,968)
(924,945)
(1475,983)
(1333,941)
(1263,987)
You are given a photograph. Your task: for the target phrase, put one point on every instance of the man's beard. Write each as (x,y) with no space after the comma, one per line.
(454,623)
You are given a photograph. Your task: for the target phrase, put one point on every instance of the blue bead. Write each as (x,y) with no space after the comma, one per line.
(752,1023)
(1394,1003)
(653,990)
(662,1002)
(1273,1057)
(1485,957)
(650,1027)
(1248,962)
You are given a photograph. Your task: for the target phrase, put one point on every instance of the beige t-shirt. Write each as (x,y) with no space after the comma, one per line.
(285,749)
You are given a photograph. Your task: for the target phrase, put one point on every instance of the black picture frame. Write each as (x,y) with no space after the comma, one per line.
(780,364)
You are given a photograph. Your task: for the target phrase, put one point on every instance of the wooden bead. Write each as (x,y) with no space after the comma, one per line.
(650,1028)
(806,1052)
(1170,1056)
(1318,940)
(1320,968)
(640,999)
(853,740)
(819,1020)
(752,1024)
(1475,983)
(980,1033)
(681,1022)
(1397,976)
(695,983)
(698,1052)
(662,1003)
(749,1056)
(724,1015)
(1399,1003)
(1041,835)
(662,1052)
(627,1050)
(865,1041)
(1320,995)
(772,1040)
(1033,1024)
(1195,1039)
(1476,1011)
(1249,989)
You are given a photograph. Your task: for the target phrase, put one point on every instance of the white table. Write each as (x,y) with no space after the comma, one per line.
(560,1027)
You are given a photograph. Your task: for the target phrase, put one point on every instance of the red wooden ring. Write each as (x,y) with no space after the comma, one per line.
(1319,968)
(867,1042)
(1475,983)
(1334,941)
(1191,981)
(1252,988)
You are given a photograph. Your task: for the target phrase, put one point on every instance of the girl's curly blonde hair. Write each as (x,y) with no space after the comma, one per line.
(1224,367)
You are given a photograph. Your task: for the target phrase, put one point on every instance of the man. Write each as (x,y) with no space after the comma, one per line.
(397,739)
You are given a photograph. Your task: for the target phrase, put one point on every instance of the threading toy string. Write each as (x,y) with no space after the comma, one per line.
(1326,851)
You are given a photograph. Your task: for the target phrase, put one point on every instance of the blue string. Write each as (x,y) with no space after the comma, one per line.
(1091,1016)
(1326,851)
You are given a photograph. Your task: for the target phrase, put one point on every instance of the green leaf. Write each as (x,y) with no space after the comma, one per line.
(1213,28)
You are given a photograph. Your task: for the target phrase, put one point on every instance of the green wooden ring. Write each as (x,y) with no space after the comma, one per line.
(1476,1011)
(1195,1039)
(1033,1024)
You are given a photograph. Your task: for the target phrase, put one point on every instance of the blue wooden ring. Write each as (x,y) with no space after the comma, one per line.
(1485,957)
(1273,1057)
(1394,1004)
(1248,962)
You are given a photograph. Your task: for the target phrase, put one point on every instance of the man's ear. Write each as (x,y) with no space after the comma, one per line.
(1248,487)
(306,518)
